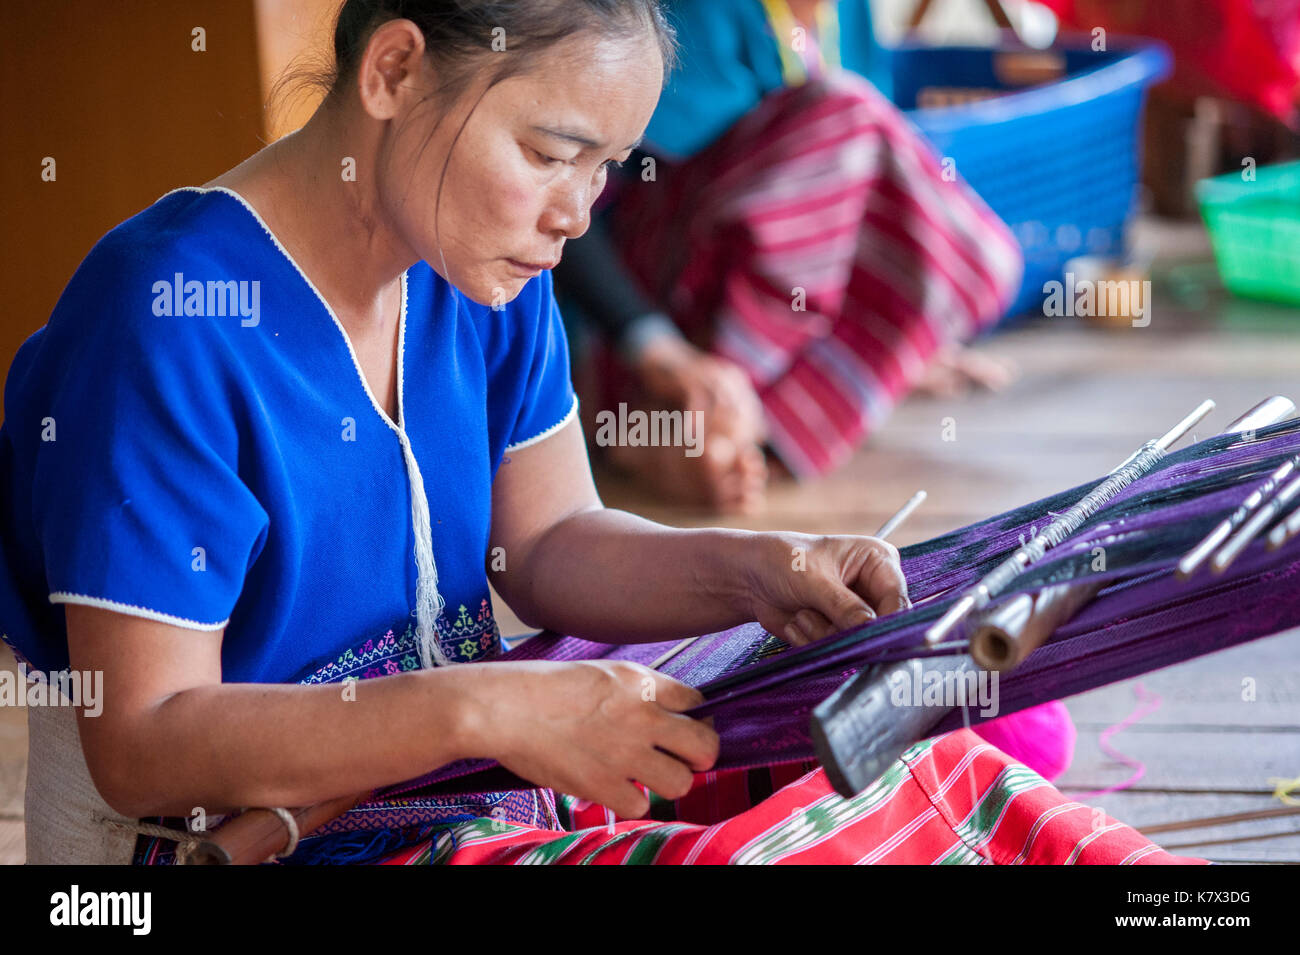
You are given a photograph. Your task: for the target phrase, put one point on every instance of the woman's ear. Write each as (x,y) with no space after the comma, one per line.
(389,67)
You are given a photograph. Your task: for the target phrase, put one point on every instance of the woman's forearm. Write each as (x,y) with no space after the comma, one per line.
(609,575)
(231,745)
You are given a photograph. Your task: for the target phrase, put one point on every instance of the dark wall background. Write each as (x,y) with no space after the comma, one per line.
(112,90)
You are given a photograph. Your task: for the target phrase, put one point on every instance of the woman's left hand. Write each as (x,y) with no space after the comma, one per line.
(803,587)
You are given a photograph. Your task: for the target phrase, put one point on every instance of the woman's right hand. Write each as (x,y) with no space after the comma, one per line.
(590,728)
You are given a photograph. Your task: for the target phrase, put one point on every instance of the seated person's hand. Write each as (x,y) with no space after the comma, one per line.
(673,369)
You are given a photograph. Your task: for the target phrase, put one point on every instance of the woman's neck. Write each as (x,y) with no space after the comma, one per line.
(315,189)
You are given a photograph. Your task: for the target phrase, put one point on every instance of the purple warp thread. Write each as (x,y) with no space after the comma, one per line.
(1146,619)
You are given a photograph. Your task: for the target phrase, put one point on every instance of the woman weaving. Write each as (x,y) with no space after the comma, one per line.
(220,512)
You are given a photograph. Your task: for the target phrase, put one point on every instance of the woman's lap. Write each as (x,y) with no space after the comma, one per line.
(951,800)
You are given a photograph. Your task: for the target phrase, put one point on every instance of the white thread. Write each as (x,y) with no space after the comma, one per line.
(428,601)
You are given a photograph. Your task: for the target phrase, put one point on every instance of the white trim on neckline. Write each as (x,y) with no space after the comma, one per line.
(347,342)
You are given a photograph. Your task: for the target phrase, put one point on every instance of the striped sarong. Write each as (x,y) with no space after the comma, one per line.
(951,800)
(822,246)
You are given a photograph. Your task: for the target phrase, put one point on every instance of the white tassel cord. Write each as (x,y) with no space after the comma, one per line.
(428,601)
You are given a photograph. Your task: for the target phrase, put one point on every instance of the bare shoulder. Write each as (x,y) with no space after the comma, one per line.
(256,177)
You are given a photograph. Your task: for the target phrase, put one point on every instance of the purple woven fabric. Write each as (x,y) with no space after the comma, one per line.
(1144,619)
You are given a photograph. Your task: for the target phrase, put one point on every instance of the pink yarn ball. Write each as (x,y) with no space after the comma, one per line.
(1042,737)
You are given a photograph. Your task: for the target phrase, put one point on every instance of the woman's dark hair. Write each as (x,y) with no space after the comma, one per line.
(461,35)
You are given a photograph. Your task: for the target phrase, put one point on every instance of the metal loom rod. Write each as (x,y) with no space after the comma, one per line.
(1284,531)
(902,514)
(1005,635)
(998,579)
(1251,529)
(893,523)
(858,731)
(1199,554)
(1269,411)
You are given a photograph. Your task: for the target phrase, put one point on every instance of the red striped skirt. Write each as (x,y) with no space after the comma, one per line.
(823,247)
(950,800)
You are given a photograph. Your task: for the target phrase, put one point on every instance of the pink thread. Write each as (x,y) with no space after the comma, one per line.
(1042,737)
(1148,703)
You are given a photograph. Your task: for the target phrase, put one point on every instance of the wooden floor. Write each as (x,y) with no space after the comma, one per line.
(13,773)
(1085,398)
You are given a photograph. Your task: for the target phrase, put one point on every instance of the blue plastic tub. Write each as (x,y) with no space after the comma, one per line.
(1059,161)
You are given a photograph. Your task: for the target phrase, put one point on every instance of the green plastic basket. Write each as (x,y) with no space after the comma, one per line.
(1255,229)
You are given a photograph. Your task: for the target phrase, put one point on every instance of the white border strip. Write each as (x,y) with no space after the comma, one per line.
(63,597)
(356,365)
(572,413)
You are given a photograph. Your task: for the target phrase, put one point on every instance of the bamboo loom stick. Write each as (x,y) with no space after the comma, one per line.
(1269,411)
(902,514)
(1010,632)
(1284,531)
(1198,555)
(258,835)
(1209,822)
(1231,841)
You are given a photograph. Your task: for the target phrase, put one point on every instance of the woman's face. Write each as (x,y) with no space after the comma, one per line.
(529,163)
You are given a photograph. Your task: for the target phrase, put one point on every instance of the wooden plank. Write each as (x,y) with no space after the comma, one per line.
(1207,692)
(13,749)
(1146,809)
(13,778)
(13,847)
(1142,809)
(1226,761)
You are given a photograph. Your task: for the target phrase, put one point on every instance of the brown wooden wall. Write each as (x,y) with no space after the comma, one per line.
(113,91)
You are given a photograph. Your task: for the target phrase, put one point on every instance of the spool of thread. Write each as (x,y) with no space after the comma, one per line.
(1119,290)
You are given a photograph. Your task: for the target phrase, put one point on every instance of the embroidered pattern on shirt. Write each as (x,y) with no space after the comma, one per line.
(465,639)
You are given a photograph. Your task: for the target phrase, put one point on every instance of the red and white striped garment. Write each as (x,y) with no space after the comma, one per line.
(950,800)
(822,246)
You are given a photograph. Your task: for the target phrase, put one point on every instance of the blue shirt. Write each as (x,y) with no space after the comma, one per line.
(190,439)
(729,61)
